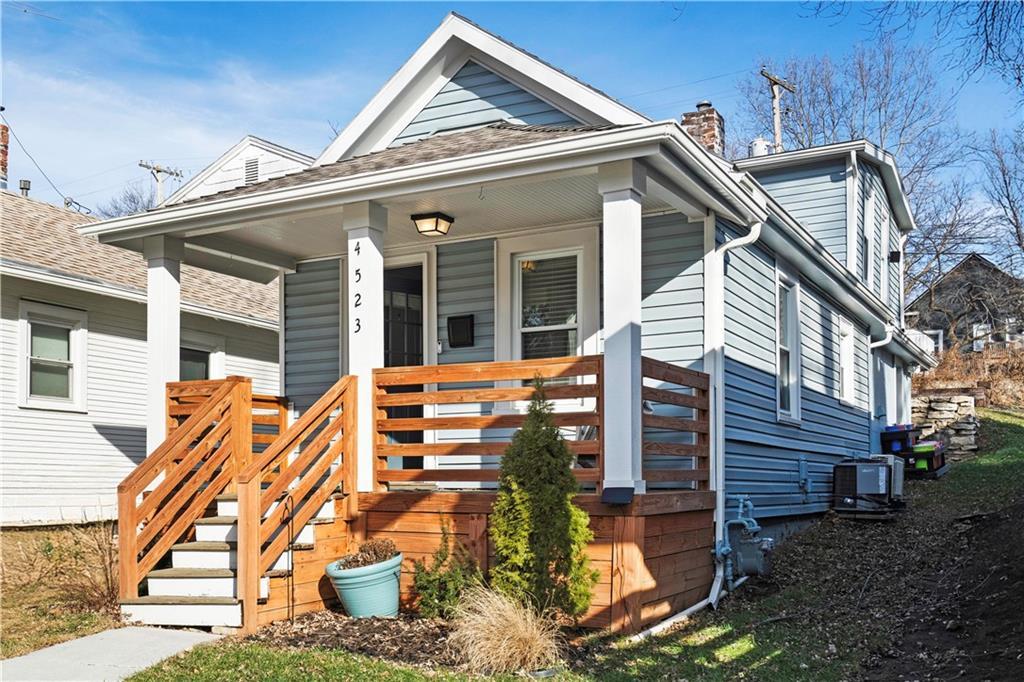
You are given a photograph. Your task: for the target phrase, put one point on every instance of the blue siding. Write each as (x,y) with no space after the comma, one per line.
(884,222)
(672,327)
(762,454)
(477,97)
(465,284)
(312,345)
(816,196)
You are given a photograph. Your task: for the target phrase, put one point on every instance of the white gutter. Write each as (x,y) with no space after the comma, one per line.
(714,342)
(884,341)
(126,293)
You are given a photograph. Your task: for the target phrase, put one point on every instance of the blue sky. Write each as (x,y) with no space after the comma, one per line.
(92,88)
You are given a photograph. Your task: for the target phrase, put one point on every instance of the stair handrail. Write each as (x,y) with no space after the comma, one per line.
(262,540)
(220,429)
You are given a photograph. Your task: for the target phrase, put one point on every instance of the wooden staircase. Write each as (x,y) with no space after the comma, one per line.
(210,528)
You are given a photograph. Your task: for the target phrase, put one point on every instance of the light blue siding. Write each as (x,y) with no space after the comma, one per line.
(312,348)
(871,179)
(476,97)
(816,196)
(762,455)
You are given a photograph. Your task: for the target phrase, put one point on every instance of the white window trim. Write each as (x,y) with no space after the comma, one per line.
(848,362)
(207,343)
(517,297)
(981,335)
(783,275)
(868,271)
(78,322)
(940,337)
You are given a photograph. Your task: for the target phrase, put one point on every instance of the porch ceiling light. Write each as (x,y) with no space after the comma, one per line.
(434,224)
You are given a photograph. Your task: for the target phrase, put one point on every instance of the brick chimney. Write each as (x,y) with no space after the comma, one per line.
(706,126)
(4,135)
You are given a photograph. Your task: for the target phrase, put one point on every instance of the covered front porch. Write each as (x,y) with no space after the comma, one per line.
(407,356)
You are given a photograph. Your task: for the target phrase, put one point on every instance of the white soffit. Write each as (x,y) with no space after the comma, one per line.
(437,60)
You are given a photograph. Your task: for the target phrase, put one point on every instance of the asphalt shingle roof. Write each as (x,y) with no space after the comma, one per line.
(439,147)
(41,235)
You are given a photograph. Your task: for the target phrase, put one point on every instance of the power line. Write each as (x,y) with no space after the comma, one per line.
(683,85)
(32,158)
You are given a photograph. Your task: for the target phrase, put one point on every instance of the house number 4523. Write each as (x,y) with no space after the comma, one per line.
(357,296)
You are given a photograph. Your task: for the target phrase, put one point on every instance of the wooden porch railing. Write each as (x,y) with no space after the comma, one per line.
(159,501)
(269,412)
(409,387)
(677,387)
(312,459)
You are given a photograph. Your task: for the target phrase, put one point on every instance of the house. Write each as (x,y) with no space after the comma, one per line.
(716,336)
(976,304)
(251,160)
(73,331)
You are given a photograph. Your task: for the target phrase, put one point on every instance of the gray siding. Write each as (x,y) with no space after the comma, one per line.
(816,196)
(312,334)
(762,454)
(884,222)
(476,97)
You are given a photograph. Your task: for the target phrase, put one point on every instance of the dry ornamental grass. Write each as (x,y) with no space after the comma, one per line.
(495,634)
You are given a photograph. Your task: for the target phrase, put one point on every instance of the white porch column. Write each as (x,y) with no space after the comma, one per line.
(163,329)
(622,185)
(365,223)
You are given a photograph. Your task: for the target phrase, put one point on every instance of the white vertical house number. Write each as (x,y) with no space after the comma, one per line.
(357,297)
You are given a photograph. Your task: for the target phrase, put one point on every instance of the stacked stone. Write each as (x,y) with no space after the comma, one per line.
(950,418)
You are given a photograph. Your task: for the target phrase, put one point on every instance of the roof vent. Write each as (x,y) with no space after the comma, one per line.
(252,171)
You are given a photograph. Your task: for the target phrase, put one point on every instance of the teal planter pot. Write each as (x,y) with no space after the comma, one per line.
(368,591)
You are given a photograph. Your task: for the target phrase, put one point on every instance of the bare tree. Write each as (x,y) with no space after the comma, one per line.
(136,197)
(1002,162)
(884,93)
(986,35)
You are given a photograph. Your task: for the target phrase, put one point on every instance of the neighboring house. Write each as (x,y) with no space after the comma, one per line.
(250,161)
(73,330)
(975,304)
(486,212)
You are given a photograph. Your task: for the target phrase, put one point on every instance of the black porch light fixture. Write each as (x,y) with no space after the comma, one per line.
(434,224)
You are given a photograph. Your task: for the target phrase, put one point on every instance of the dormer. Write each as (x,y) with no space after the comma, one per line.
(849,196)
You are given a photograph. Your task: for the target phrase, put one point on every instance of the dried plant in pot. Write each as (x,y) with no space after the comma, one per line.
(367,581)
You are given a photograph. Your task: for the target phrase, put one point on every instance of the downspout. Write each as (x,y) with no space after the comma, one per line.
(716,265)
(884,341)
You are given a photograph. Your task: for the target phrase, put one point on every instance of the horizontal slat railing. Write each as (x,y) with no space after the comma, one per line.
(574,384)
(675,406)
(287,484)
(160,500)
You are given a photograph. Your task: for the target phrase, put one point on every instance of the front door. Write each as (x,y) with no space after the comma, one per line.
(403,341)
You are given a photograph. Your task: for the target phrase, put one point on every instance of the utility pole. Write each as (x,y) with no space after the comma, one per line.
(777,85)
(158,173)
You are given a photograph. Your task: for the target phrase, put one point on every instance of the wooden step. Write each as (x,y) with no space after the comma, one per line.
(197,582)
(184,611)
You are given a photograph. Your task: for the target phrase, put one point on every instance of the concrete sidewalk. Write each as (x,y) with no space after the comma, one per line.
(110,655)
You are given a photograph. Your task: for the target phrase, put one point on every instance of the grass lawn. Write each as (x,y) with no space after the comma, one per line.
(788,628)
(37,609)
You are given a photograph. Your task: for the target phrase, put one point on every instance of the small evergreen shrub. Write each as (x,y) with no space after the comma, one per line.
(539,535)
(441,585)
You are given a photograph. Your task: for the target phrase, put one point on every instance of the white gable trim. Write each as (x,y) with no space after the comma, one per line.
(249,140)
(447,50)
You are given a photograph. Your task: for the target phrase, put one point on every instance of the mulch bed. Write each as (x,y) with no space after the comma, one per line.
(405,639)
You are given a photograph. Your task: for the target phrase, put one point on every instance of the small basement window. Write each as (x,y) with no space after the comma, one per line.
(788,347)
(52,357)
(847,362)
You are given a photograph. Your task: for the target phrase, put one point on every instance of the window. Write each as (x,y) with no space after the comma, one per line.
(52,345)
(788,356)
(547,295)
(1014,332)
(980,335)
(938,336)
(193,364)
(847,362)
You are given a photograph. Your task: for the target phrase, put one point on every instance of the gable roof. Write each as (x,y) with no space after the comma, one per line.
(248,141)
(865,150)
(448,49)
(445,146)
(43,238)
(970,259)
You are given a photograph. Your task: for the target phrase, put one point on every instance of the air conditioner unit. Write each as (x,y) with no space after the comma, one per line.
(862,486)
(896,465)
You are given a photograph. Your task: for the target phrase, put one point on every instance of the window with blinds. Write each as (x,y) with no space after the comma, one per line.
(548,315)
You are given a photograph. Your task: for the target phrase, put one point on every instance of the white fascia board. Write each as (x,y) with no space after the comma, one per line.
(865,150)
(248,140)
(44,276)
(904,347)
(454,41)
